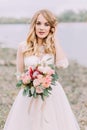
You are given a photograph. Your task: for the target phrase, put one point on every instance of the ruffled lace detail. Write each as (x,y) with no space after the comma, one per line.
(62,63)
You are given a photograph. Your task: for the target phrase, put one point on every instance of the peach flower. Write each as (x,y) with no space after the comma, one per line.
(47,81)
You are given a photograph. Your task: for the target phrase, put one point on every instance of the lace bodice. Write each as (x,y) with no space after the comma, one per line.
(34,60)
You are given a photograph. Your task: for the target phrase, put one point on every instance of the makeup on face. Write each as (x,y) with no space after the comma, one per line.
(42,27)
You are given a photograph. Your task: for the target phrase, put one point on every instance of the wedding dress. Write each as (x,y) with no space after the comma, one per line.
(55,113)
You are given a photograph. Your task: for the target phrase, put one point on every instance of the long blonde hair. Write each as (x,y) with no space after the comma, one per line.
(48,42)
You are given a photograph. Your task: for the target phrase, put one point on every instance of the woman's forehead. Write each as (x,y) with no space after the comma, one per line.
(41,18)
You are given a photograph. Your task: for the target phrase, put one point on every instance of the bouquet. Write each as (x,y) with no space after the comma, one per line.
(38,80)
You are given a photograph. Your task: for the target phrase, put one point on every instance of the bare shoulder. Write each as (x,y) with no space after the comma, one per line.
(22,45)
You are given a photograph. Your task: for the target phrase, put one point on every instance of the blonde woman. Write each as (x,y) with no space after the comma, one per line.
(28,113)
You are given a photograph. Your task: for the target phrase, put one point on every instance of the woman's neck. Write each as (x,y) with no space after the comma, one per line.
(40,41)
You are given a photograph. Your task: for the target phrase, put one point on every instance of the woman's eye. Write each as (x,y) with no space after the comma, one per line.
(47,24)
(38,23)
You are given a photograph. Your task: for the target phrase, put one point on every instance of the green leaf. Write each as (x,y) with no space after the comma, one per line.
(49,92)
(35,95)
(42,96)
(48,59)
(55,76)
(19,83)
(49,88)
(45,92)
(53,84)
(25,92)
(29,93)
(32,90)
(52,66)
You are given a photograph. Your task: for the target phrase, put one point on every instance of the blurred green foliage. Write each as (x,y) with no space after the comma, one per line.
(71,16)
(66,16)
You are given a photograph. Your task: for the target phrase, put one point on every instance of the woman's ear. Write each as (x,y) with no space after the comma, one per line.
(52,29)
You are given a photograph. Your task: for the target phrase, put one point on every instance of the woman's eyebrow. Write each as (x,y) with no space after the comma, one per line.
(38,21)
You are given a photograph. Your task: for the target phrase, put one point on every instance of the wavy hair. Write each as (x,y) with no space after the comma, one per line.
(48,42)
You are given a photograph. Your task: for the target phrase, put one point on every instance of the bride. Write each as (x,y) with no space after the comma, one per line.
(54,113)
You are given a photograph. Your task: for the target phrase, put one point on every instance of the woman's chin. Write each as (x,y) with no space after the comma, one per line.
(41,36)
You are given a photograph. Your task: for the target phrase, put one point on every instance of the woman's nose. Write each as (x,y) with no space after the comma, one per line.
(42,26)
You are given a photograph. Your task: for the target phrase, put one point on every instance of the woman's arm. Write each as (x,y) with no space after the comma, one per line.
(20,61)
(61,58)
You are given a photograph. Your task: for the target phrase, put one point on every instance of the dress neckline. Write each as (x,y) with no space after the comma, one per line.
(39,57)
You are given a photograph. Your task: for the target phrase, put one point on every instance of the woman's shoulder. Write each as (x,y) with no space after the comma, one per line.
(22,46)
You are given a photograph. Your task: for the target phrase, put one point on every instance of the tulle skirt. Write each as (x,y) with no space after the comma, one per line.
(55,113)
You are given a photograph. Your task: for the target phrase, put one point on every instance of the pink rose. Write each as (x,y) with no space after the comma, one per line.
(36,82)
(40,78)
(39,90)
(25,79)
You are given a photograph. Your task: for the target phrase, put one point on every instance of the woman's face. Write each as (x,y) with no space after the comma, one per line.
(42,27)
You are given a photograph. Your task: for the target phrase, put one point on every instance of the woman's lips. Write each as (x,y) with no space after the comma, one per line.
(41,33)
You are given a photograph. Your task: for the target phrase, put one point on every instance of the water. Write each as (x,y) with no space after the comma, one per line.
(72,37)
